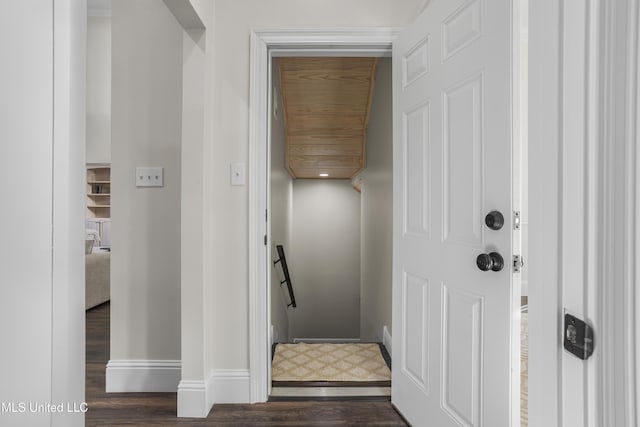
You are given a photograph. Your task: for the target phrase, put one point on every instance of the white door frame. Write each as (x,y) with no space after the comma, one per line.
(619,370)
(547,404)
(265,44)
(584,105)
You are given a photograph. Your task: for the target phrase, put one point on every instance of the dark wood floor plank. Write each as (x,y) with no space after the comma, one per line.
(331,383)
(159,409)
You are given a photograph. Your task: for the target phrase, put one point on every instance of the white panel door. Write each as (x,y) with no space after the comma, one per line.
(455,355)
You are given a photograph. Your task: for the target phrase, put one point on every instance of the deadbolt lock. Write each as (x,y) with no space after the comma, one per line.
(578,337)
(494,220)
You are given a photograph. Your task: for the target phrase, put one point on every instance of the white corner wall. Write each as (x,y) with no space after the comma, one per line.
(147,58)
(147,300)
(325,259)
(229,121)
(192,218)
(281,200)
(377,210)
(98,89)
(42,257)
(196,388)
(69,178)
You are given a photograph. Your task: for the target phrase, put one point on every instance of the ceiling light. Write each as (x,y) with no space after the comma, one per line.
(324,175)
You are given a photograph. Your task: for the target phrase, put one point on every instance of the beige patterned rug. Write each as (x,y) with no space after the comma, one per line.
(329,362)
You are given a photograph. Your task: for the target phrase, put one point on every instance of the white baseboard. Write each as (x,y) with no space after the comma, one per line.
(231,386)
(143,375)
(386,338)
(326,340)
(196,398)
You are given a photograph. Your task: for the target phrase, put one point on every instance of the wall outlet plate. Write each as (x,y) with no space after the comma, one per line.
(149,177)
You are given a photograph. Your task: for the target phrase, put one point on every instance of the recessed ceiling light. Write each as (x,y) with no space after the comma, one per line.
(324,175)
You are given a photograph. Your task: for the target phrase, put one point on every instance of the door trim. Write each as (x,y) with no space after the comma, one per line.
(606,385)
(619,368)
(265,44)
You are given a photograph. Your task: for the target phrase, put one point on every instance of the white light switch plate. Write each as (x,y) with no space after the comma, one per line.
(149,177)
(238,174)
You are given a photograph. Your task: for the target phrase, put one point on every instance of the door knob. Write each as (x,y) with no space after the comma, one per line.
(494,220)
(492,261)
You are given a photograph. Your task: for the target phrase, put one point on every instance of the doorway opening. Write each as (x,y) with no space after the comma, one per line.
(98,197)
(265,46)
(331,207)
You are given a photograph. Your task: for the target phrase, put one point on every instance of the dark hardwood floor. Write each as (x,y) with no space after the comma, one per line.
(159,409)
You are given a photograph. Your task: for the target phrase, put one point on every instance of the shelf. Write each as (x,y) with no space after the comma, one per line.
(98,191)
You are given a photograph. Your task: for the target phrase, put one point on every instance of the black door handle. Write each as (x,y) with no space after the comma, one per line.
(494,220)
(492,261)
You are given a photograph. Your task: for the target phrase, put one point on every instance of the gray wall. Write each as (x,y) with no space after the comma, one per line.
(325,260)
(146,131)
(377,198)
(99,89)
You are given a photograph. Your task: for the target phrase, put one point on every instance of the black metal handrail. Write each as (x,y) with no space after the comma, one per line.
(285,270)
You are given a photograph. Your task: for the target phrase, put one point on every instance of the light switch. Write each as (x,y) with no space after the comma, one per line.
(149,177)
(238,174)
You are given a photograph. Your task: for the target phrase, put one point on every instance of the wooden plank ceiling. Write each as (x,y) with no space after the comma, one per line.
(326,107)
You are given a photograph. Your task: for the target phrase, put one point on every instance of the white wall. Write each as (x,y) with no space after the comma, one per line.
(281,200)
(69,177)
(229,127)
(148,302)
(147,49)
(581,156)
(195,395)
(377,210)
(41,258)
(192,218)
(325,259)
(98,89)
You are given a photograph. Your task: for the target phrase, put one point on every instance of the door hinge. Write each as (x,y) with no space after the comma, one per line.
(265,240)
(518,263)
(516,220)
